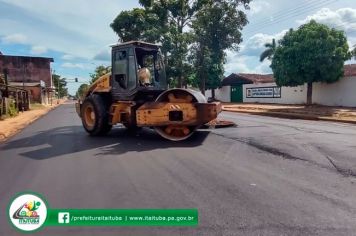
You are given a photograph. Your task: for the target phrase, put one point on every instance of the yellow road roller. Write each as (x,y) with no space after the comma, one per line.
(136,94)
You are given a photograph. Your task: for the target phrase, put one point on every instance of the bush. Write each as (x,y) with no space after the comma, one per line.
(12,111)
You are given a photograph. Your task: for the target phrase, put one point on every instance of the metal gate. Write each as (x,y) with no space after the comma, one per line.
(236,93)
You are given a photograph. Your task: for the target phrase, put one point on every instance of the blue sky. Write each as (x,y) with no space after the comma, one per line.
(77,33)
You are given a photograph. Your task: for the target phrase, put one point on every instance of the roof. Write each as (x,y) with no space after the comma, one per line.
(27,84)
(242,78)
(258,78)
(136,43)
(27,57)
(350,70)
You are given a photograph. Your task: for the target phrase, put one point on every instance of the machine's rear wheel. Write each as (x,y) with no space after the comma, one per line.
(178,132)
(95,117)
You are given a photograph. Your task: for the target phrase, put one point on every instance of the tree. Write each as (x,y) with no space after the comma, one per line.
(217,28)
(353,52)
(137,24)
(99,71)
(175,17)
(268,53)
(178,24)
(83,88)
(312,53)
(60,85)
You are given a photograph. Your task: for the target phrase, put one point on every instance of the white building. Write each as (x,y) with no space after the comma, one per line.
(255,88)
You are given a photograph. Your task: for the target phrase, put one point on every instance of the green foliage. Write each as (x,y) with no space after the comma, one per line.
(60,85)
(353,52)
(99,71)
(313,53)
(83,88)
(269,52)
(179,24)
(136,24)
(217,27)
(12,111)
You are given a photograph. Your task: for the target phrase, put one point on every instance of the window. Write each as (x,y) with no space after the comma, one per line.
(120,68)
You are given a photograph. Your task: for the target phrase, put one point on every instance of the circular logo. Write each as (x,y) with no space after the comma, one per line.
(28,212)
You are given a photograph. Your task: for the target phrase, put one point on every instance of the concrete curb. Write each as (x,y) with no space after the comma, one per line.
(291,115)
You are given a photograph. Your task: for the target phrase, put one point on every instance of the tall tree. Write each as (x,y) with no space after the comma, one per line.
(171,23)
(175,16)
(83,88)
(312,53)
(270,49)
(136,24)
(99,71)
(60,85)
(353,52)
(161,21)
(217,28)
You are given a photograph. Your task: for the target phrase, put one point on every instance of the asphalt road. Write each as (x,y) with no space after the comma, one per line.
(268,176)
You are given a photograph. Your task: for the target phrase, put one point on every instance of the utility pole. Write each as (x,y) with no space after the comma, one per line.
(6,72)
(59,96)
(23,86)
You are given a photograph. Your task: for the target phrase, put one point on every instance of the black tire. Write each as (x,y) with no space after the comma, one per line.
(97,123)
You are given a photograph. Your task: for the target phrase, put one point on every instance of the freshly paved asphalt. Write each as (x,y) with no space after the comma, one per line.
(268,176)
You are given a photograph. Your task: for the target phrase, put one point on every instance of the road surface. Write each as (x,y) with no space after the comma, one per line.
(268,176)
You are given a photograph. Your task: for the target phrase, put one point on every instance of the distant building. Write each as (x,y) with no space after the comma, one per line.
(257,88)
(30,73)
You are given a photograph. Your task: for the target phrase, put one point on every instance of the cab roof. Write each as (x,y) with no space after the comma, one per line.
(136,44)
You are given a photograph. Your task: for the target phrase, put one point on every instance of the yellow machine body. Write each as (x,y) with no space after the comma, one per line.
(174,113)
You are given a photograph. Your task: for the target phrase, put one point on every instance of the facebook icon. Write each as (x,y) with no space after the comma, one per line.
(63,217)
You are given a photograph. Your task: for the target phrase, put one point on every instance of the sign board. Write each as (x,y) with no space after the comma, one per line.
(43,84)
(263,92)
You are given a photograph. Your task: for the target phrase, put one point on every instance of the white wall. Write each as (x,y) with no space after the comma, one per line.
(341,93)
(289,95)
(222,94)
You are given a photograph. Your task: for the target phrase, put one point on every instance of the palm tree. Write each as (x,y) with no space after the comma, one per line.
(268,53)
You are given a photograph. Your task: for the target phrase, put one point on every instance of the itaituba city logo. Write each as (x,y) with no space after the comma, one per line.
(28,212)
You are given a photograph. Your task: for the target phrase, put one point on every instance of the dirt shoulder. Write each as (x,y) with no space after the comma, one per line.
(13,125)
(315,112)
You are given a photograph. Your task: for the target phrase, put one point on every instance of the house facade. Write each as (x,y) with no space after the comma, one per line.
(30,73)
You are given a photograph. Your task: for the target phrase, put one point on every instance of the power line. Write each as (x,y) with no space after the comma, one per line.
(283,13)
(296,13)
(293,12)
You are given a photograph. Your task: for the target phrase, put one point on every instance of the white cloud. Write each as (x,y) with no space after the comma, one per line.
(74,65)
(103,55)
(263,68)
(246,64)
(36,50)
(343,18)
(236,64)
(68,57)
(14,39)
(255,45)
(65,29)
(257,7)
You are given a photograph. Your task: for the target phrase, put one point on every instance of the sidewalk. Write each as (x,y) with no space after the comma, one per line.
(315,112)
(13,125)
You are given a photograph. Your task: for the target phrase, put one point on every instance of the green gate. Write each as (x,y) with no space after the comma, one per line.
(236,93)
